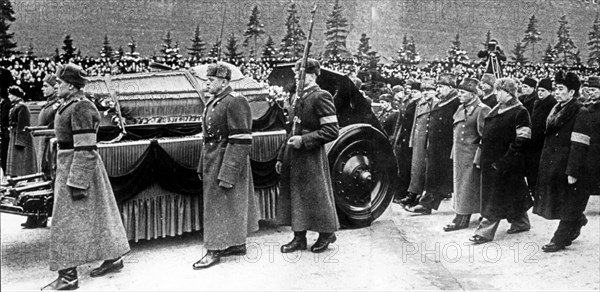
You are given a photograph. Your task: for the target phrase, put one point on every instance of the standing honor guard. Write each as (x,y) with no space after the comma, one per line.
(86,223)
(504,193)
(468,129)
(306,200)
(561,187)
(230,207)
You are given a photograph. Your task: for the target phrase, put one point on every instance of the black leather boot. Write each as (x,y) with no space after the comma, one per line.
(580,223)
(410,200)
(108,266)
(67,280)
(298,243)
(323,242)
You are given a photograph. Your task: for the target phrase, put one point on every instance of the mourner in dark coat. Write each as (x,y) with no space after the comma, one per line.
(560,192)
(21,158)
(468,129)
(388,116)
(540,113)
(230,206)
(306,200)
(86,222)
(403,150)
(438,170)
(488,97)
(504,193)
(6,80)
(418,138)
(593,106)
(529,94)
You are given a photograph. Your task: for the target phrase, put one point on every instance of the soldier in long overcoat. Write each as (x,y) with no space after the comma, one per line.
(438,169)
(468,129)
(593,107)
(540,113)
(6,81)
(306,200)
(21,158)
(86,224)
(45,118)
(418,137)
(403,150)
(230,206)
(561,187)
(504,193)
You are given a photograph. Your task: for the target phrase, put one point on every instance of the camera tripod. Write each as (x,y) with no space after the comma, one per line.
(495,65)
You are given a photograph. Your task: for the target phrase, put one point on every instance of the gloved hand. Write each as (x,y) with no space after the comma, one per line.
(78,194)
(278,166)
(295,141)
(225,185)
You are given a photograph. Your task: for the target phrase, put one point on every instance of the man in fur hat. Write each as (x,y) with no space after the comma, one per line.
(561,186)
(541,110)
(230,207)
(438,171)
(504,193)
(487,87)
(418,138)
(306,200)
(593,106)
(529,94)
(468,129)
(388,116)
(86,222)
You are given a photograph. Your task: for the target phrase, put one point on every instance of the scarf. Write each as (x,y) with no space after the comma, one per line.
(560,115)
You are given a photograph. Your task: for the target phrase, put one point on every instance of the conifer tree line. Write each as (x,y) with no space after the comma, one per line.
(256,43)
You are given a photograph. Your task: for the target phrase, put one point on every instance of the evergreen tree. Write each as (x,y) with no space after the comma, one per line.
(255,29)
(7,46)
(456,54)
(292,43)
(336,34)
(232,53)
(488,37)
(363,48)
(594,43)
(68,49)
(196,51)
(532,36)
(29,50)
(214,50)
(121,52)
(565,45)
(550,56)
(56,55)
(269,51)
(407,55)
(519,54)
(107,50)
(169,51)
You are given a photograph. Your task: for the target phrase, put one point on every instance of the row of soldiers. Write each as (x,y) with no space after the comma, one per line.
(497,152)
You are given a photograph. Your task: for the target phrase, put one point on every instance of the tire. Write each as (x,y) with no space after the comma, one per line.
(363,173)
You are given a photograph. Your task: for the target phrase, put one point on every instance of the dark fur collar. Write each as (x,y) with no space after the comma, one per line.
(560,115)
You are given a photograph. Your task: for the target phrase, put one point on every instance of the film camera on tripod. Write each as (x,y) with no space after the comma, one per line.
(495,56)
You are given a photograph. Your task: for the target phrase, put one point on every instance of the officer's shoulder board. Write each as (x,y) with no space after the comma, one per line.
(65,105)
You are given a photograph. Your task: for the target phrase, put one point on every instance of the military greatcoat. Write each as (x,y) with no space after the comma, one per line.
(504,193)
(306,200)
(540,113)
(387,119)
(564,154)
(468,130)
(89,229)
(229,213)
(401,146)
(21,158)
(438,173)
(46,118)
(418,142)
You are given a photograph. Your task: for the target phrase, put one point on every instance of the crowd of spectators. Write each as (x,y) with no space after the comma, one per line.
(29,71)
